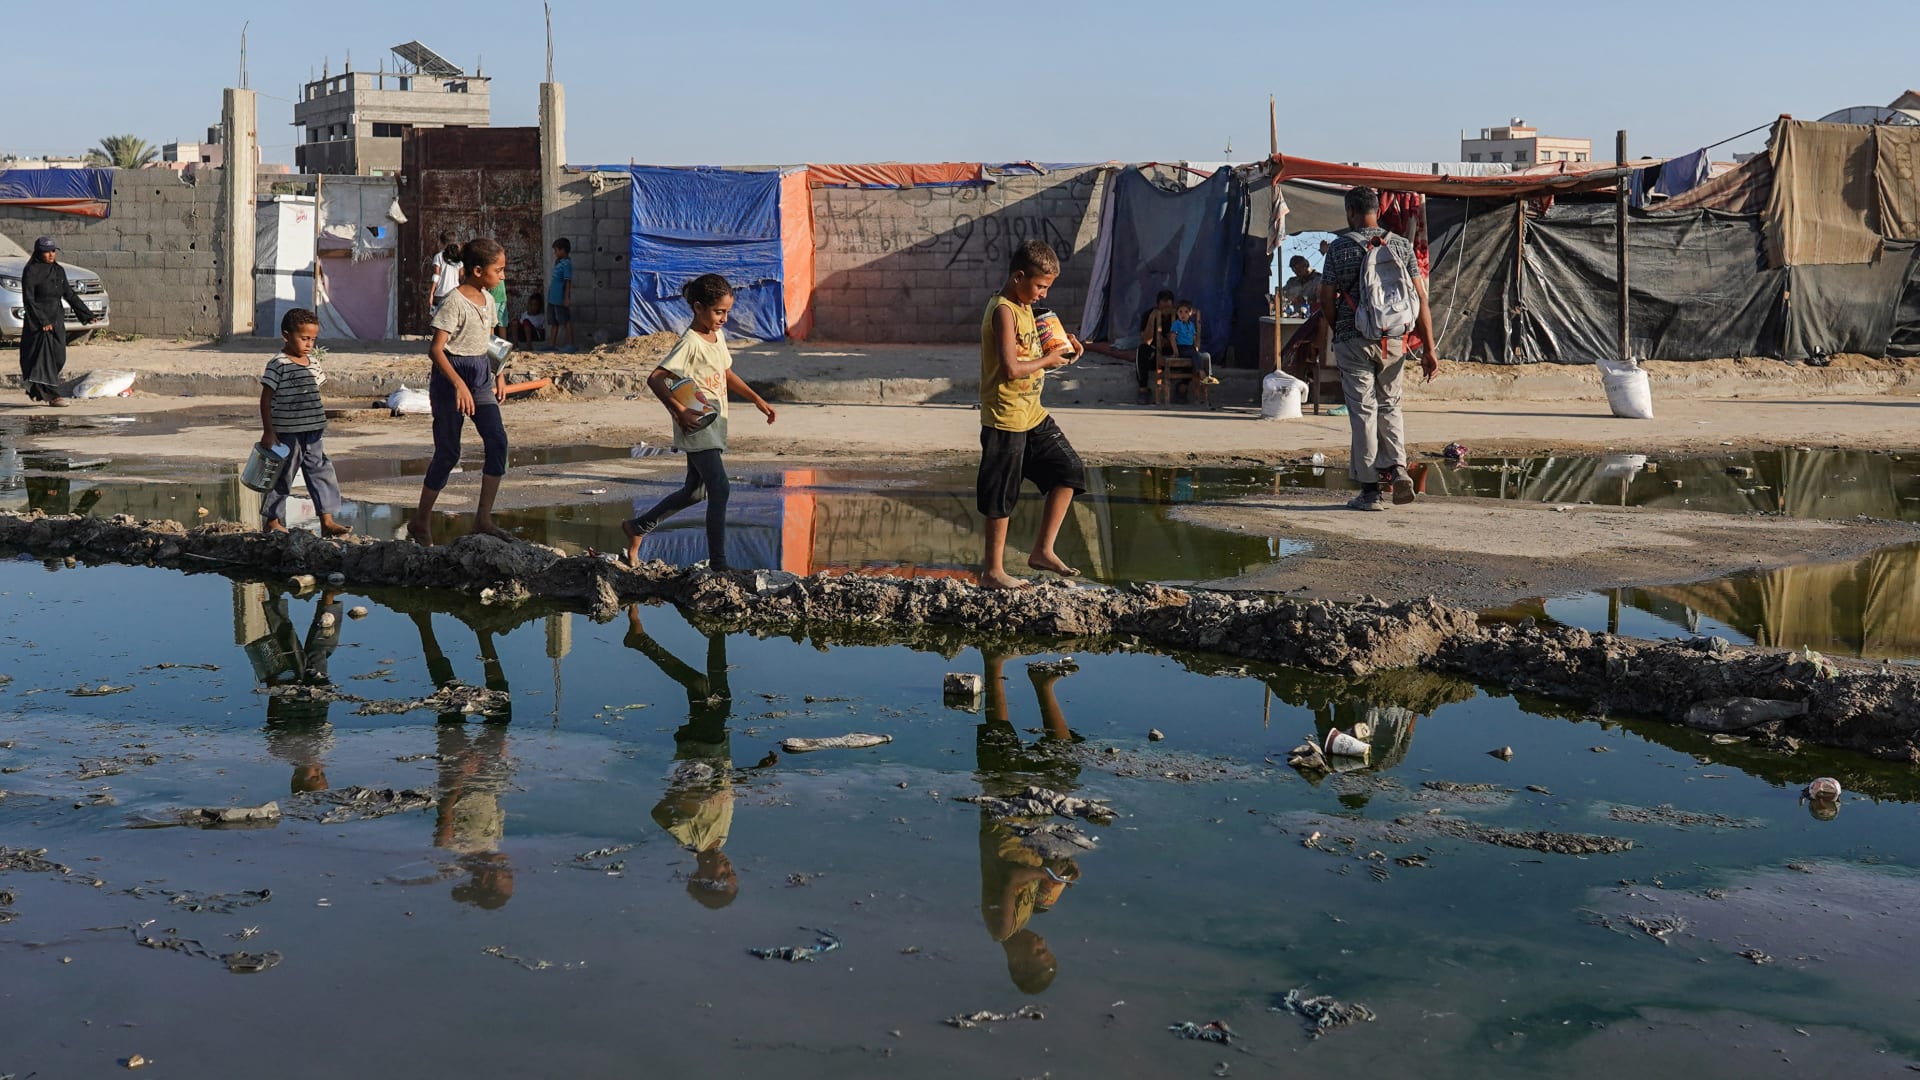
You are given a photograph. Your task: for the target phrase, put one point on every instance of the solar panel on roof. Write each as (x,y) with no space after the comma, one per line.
(429,63)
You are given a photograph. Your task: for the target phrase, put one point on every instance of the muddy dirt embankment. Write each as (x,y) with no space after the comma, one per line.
(1711,685)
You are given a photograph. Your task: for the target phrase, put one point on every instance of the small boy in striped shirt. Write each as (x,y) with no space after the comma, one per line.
(292,416)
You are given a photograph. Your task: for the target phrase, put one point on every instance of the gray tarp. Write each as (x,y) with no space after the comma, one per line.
(1190,241)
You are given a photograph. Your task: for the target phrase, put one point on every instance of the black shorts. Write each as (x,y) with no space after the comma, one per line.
(1041,454)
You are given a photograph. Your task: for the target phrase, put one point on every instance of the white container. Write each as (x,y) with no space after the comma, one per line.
(1280,396)
(1341,744)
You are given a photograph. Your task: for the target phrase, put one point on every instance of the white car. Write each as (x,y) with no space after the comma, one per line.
(13,314)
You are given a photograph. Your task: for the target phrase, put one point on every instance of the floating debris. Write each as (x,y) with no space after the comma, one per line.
(977,1019)
(501,952)
(1041,802)
(31,861)
(854,741)
(1324,1013)
(102,690)
(1754,955)
(214,903)
(216,816)
(1155,735)
(357,611)
(334,807)
(824,942)
(1504,753)
(1213,1032)
(246,963)
(1826,789)
(1665,814)
(1657,927)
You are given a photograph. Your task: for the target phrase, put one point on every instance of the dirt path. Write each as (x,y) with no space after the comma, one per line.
(1484,553)
(902,436)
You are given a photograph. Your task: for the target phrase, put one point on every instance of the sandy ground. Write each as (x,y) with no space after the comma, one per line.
(1485,552)
(900,435)
(1461,550)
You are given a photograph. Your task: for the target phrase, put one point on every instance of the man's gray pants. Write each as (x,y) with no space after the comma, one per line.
(1370,376)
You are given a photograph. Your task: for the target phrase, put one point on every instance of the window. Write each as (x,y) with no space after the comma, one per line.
(389,131)
(1520,157)
(1499,155)
(1473,157)
(1579,157)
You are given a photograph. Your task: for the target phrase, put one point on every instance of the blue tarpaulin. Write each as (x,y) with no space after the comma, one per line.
(87,192)
(688,222)
(1189,241)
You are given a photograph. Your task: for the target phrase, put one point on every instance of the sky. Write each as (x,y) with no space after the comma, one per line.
(853,80)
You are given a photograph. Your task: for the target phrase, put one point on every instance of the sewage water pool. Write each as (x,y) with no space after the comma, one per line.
(601,856)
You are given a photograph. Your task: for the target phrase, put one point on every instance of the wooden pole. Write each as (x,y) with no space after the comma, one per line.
(1280,272)
(1620,241)
(1516,334)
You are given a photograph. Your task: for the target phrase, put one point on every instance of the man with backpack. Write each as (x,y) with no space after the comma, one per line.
(1373,286)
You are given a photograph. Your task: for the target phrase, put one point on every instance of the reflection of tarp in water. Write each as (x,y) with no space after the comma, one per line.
(1391,703)
(1870,608)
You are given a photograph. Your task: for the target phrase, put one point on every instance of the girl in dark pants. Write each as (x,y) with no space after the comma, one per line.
(464,385)
(700,357)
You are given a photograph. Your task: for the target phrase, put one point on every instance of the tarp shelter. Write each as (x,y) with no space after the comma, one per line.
(356,275)
(283,245)
(86,192)
(1192,241)
(753,228)
(1798,253)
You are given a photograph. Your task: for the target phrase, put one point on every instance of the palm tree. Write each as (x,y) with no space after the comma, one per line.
(123,151)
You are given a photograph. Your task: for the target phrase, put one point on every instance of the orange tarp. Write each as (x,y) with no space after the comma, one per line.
(796,252)
(896,175)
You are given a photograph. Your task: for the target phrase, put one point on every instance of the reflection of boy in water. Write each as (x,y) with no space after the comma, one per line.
(474,771)
(297,729)
(697,809)
(1015,881)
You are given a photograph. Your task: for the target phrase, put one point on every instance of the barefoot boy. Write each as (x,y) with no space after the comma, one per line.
(291,416)
(1018,440)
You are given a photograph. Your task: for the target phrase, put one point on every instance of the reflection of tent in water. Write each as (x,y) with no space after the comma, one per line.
(1390,703)
(1869,608)
(805,521)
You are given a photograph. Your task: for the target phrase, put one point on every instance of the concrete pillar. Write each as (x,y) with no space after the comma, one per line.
(553,158)
(240,143)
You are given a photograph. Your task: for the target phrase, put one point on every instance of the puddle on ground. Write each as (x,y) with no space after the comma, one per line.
(602,849)
(924,524)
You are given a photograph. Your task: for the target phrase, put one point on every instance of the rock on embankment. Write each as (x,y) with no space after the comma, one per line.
(1875,710)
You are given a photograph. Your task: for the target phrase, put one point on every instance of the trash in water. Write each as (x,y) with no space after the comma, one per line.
(976,1019)
(1825,787)
(963,685)
(1215,1032)
(1755,955)
(1324,1013)
(1505,753)
(1455,453)
(135,1062)
(1155,735)
(1341,744)
(333,807)
(824,942)
(853,741)
(245,963)
(1822,667)
(214,903)
(208,816)
(1041,802)
(356,612)
(1307,757)
(97,691)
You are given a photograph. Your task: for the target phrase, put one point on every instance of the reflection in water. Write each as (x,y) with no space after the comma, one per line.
(1386,706)
(1016,883)
(697,809)
(474,771)
(298,730)
(1868,608)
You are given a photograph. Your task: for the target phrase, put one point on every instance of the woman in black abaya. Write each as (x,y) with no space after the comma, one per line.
(43,337)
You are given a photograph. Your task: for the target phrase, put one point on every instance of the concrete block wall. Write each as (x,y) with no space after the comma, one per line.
(917,265)
(596,214)
(156,253)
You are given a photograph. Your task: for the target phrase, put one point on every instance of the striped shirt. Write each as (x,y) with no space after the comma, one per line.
(296,395)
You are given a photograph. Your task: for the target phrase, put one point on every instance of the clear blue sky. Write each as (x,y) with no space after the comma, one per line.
(855,80)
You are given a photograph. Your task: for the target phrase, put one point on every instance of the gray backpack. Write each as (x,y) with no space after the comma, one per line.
(1387,305)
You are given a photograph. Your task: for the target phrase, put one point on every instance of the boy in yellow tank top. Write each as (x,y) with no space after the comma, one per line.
(1018,440)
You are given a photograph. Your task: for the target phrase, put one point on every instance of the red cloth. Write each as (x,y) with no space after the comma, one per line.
(1405,213)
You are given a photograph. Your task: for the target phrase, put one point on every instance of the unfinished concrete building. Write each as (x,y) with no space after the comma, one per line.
(353,122)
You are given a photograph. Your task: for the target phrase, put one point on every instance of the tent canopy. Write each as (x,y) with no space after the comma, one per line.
(1558,178)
